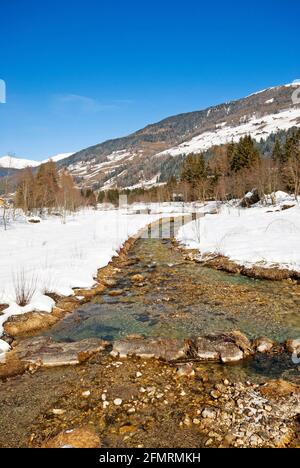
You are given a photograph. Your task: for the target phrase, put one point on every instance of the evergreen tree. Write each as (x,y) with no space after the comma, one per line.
(291,148)
(193,169)
(277,153)
(244,154)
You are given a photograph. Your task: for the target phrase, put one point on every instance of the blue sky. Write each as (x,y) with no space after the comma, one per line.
(80,72)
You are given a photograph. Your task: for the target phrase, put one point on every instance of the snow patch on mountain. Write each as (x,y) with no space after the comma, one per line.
(256,126)
(10,162)
(58,157)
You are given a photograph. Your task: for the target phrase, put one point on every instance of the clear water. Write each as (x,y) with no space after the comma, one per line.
(180,299)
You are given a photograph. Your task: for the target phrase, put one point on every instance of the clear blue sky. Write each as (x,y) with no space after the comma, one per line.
(80,72)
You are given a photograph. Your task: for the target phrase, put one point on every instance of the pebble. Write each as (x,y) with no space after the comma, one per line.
(86,393)
(209,413)
(118,402)
(58,411)
(139,374)
(215,394)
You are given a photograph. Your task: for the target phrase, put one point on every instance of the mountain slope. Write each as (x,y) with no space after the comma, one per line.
(139,157)
(9,162)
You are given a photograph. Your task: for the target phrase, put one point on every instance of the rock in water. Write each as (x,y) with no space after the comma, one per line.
(228,347)
(83,437)
(280,388)
(263,344)
(293,346)
(168,350)
(137,278)
(43,352)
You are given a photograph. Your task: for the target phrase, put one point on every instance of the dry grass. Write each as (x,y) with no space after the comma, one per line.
(24,288)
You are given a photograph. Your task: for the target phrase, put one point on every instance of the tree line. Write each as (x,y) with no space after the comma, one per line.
(231,171)
(47,188)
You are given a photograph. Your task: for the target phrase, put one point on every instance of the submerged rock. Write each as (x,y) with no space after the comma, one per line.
(137,278)
(115,292)
(168,350)
(43,352)
(293,346)
(263,344)
(280,388)
(230,347)
(83,437)
(185,370)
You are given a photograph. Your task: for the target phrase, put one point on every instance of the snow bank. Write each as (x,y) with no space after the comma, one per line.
(258,235)
(56,257)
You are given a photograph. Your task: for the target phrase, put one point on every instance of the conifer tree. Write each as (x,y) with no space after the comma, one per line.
(277,153)
(245,154)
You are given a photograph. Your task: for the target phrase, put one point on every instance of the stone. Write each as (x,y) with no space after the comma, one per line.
(230,353)
(185,370)
(21,325)
(118,401)
(109,282)
(215,394)
(279,388)
(44,352)
(209,413)
(250,199)
(263,344)
(137,278)
(168,350)
(83,437)
(115,292)
(227,347)
(206,350)
(58,411)
(293,346)
(242,342)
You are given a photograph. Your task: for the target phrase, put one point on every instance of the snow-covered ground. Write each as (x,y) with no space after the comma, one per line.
(57,257)
(256,126)
(54,257)
(262,235)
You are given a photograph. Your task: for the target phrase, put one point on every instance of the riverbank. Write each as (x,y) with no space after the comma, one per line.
(261,241)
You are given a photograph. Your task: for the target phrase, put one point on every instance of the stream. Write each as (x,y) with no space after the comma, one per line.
(173,298)
(178,298)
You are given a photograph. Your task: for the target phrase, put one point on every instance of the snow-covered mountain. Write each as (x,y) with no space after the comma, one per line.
(10,162)
(58,157)
(258,127)
(139,158)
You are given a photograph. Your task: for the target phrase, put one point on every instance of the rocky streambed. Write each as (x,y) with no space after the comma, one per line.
(163,353)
